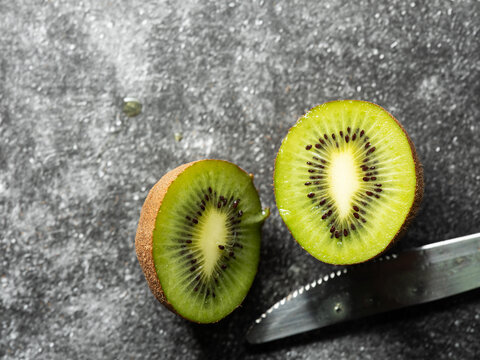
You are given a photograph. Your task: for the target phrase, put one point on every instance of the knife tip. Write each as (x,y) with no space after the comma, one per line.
(252,335)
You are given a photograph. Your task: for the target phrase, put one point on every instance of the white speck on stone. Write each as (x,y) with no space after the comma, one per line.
(437,149)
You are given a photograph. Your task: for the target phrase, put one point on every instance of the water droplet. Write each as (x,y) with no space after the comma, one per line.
(337,307)
(132,106)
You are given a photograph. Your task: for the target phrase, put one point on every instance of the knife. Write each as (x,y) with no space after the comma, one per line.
(415,276)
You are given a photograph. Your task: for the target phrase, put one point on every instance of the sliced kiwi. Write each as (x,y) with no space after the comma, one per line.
(198,239)
(347,181)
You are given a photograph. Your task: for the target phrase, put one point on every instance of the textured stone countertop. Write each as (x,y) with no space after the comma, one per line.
(231,77)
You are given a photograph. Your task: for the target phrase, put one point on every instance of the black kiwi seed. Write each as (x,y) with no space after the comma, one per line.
(221,247)
(311,195)
(308,183)
(318,146)
(308,147)
(354,136)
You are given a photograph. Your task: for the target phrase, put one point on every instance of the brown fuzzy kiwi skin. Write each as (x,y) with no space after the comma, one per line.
(419,186)
(146,227)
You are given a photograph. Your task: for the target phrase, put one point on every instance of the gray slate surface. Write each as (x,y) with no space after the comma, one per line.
(232,78)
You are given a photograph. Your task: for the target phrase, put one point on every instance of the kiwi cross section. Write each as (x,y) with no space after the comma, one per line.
(346,181)
(206,241)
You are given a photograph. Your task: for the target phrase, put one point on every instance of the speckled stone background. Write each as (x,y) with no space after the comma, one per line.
(232,77)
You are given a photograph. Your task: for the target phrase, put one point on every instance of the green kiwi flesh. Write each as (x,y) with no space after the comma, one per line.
(347,181)
(204,245)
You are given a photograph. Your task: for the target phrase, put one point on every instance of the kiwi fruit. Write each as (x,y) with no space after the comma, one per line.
(347,181)
(198,239)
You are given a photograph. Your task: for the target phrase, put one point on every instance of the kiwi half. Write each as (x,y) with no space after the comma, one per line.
(347,181)
(198,239)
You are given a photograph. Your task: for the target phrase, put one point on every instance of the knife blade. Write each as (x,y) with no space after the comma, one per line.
(415,276)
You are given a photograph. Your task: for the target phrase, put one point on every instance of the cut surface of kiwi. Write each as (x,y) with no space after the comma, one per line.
(347,181)
(198,239)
